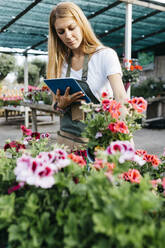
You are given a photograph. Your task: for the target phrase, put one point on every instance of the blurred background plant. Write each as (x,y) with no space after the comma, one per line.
(131,75)
(41,94)
(149,88)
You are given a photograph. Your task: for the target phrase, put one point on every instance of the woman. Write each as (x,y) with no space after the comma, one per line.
(74,51)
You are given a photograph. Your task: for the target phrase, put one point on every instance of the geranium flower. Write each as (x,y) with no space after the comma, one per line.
(104,94)
(40,171)
(26,131)
(155,182)
(77,159)
(132,175)
(35,135)
(118,126)
(141,152)
(126,151)
(14,144)
(153,159)
(139,104)
(114,109)
(164,153)
(45,135)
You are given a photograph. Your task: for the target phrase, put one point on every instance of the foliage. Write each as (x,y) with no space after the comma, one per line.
(105,124)
(131,74)
(36,70)
(41,65)
(10,102)
(33,74)
(7,64)
(145,58)
(116,202)
(37,95)
(148,88)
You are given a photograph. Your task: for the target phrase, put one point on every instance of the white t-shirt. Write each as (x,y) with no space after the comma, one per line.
(102,63)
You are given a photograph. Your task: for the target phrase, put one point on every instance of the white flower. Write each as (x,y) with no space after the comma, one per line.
(40,171)
(98,134)
(126,150)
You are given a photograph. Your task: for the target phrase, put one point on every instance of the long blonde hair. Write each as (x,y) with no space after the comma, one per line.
(57,51)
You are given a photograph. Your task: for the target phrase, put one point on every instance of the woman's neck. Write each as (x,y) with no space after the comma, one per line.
(77,53)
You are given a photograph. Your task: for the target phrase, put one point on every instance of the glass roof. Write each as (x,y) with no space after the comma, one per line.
(24,23)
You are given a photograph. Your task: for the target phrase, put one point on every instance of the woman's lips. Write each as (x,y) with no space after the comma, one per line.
(71,43)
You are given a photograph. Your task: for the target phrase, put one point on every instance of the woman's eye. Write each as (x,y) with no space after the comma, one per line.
(72,28)
(61,32)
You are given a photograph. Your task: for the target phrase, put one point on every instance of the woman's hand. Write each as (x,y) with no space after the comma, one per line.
(65,100)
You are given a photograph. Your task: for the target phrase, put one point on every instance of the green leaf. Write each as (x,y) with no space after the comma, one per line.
(6,209)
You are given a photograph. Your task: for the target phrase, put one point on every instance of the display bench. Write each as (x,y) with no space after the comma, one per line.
(14,111)
(155,114)
(35,108)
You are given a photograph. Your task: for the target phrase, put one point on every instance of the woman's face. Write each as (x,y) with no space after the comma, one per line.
(69,32)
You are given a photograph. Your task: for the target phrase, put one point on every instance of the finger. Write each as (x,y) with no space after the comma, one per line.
(58,92)
(78,94)
(67,91)
(77,98)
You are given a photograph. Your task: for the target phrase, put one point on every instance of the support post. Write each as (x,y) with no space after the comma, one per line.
(26,88)
(128,39)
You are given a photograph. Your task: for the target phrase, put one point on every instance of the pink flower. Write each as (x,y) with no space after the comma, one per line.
(139,104)
(40,171)
(26,131)
(15,188)
(163,183)
(126,151)
(164,152)
(45,135)
(155,182)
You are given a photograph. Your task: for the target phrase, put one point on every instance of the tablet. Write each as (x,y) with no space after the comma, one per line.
(63,83)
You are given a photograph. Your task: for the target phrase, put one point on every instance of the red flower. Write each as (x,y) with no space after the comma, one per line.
(77,159)
(14,144)
(132,67)
(153,159)
(140,152)
(104,94)
(35,135)
(139,104)
(118,126)
(132,175)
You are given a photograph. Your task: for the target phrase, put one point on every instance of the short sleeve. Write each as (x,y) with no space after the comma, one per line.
(111,63)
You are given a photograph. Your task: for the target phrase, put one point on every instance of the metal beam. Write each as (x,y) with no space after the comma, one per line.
(143,37)
(144,4)
(35,45)
(101,35)
(157,48)
(110,6)
(88,17)
(19,15)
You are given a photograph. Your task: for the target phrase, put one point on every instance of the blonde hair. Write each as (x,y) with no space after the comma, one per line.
(57,51)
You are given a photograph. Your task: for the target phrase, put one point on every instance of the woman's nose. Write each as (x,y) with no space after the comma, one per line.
(67,34)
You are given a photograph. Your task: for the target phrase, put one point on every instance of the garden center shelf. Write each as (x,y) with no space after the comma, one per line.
(155,114)
(35,107)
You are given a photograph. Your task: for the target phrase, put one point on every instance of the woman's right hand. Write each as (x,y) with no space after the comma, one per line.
(65,100)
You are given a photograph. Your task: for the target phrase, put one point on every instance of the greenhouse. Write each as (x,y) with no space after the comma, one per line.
(82,151)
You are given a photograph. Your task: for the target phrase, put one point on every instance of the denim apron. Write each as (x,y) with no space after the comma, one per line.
(70,126)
